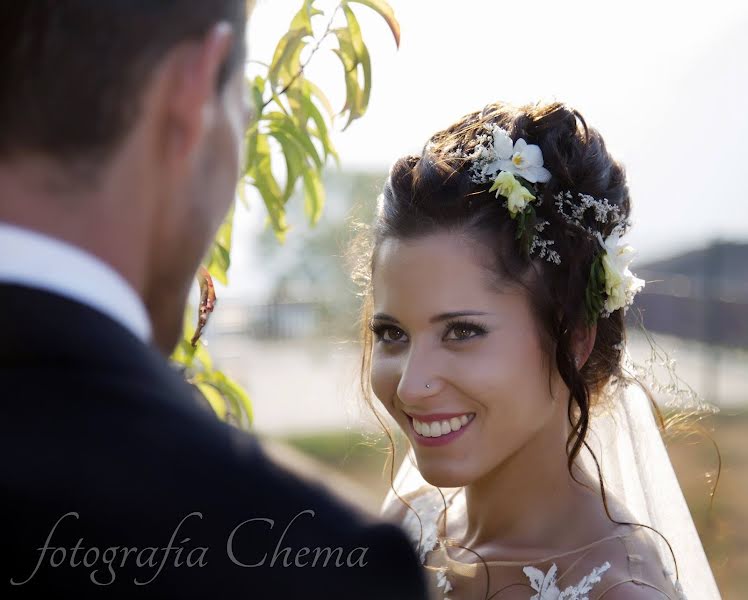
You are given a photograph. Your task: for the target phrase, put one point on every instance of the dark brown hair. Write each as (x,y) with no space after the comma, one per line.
(72,71)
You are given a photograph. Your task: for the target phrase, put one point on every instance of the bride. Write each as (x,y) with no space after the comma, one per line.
(496,342)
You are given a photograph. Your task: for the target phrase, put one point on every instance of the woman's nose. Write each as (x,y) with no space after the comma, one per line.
(419,378)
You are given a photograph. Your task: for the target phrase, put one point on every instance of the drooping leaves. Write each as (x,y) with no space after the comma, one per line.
(291,116)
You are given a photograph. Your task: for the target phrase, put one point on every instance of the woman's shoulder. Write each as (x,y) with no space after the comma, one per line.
(634,590)
(650,562)
(623,565)
(636,568)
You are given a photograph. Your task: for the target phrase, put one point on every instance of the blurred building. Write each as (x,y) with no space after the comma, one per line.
(701,295)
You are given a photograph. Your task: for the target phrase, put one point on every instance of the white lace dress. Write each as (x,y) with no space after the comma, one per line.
(575,575)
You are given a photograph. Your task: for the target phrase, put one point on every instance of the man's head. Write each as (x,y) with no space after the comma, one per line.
(121,124)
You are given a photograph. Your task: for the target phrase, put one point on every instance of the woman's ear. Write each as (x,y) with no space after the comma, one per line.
(582,342)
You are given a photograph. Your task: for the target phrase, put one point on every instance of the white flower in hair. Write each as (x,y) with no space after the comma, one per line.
(519,158)
(621,285)
(517,195)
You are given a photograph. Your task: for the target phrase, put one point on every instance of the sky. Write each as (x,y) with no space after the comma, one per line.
(665,82)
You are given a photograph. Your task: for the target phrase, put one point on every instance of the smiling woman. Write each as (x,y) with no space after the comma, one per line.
(497,288)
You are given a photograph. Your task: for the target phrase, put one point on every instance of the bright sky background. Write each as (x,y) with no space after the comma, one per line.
(665,82)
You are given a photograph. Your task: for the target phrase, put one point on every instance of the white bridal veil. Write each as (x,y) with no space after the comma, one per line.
(637,470)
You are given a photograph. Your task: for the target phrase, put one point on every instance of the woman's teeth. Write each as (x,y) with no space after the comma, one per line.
(439,428)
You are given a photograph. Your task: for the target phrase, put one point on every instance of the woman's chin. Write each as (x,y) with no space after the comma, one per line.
(443,477)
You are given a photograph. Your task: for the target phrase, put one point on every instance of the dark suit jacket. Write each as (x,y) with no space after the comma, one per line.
(115,481)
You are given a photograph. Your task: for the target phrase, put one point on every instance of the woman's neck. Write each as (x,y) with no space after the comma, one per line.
(531,501)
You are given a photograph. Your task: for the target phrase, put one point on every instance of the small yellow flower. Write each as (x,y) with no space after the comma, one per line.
(517,195)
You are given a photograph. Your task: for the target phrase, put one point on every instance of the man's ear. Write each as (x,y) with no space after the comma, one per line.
(189,91)
(582,342)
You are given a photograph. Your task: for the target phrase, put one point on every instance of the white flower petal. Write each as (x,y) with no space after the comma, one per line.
(535,174)
(533,155)
(611,243)
(502,144)
(507,165)
(520,146)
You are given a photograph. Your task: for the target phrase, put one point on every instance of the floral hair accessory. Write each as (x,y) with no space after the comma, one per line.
(521,158)
(620,283)
(496,152)
(515,171)
(517,195)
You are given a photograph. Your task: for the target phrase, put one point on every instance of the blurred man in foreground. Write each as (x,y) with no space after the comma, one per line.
(121,124)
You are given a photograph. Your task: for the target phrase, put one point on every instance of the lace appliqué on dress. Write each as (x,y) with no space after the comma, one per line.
(545,583)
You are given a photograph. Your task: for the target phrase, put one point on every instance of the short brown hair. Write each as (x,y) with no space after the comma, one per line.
(72,71)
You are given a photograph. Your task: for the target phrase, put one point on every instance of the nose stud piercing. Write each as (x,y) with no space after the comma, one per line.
(428,386)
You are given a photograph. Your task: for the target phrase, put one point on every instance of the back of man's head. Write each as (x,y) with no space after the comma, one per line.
(72,71)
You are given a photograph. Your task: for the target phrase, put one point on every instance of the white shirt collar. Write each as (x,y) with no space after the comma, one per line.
(35,260)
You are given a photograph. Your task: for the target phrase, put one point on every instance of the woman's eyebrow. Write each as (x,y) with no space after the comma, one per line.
(436,319)
(384,317)
(457,314)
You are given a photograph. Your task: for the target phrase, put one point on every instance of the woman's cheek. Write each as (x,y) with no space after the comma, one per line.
(384,380)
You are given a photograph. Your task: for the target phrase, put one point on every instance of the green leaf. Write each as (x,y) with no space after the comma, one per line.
(303,18)
(237,396)
(354,32)
(346,52)
(317,92)
(280,122)
(201,355)
(257,87)
(218,260)
(520,225)
(362,55)
(297,114)
(314,195)
(295,162)
(216,400)
(354,94)
(266,184)
(185,353)
(241,191)
(306,110)
(218,263)
(322,132)
(595,290)
(225,232)
(286,57)
(366,65)
(386,12)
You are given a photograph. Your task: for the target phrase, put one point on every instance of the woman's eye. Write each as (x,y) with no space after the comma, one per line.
(462,332)
(392,334)
(389,333)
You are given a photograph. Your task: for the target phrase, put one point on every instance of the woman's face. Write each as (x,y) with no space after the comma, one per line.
(454,354)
